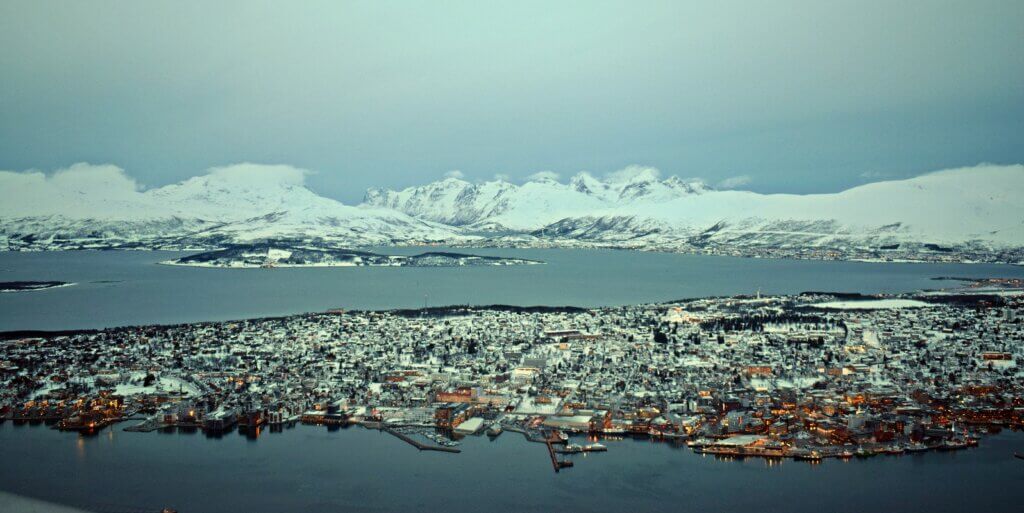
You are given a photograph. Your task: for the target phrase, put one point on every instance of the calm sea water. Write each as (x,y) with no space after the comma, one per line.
(311,469)
(124,288)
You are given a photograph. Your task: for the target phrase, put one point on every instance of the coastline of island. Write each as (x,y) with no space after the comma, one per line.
(809,376)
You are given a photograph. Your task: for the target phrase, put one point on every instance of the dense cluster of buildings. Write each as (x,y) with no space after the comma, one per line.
(806,376)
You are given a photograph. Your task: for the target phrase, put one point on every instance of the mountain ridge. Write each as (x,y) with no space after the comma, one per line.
(978,204)
(964,210)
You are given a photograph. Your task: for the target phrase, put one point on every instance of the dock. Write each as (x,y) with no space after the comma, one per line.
(555,462)
(420,445)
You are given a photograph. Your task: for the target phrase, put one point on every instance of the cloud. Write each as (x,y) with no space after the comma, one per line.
(455,173)
(85,189)
(633,173)
(543,176)
(501,177)
(35,192)
(92,179)
(735,182)
(251,174)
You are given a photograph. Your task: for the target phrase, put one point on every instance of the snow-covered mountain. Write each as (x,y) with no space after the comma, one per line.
(974,211)
(501,206)
(978,207)
(100,205)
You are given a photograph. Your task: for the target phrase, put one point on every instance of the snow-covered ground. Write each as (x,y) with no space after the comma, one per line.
(872,304)
(135,386)
(528,405)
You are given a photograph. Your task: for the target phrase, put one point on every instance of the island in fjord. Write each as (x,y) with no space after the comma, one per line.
(269,255)
(25,286)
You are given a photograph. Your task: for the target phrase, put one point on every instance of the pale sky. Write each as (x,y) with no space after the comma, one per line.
(795,96)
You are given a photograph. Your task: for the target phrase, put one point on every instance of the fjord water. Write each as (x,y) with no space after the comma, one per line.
(117,288)
(312,469)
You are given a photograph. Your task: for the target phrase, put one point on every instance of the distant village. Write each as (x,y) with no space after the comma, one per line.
(895,252)
(809,376)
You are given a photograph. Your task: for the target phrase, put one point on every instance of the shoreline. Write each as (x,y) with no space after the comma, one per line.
(752,253)
(16,503)
(456,309)
(35,289)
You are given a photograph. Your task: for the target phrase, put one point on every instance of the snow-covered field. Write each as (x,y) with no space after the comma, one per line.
(238,264)
(872,304)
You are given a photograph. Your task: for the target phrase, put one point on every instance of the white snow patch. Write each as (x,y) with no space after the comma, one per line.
(872,304)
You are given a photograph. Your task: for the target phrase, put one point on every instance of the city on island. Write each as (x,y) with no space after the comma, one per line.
(808,376)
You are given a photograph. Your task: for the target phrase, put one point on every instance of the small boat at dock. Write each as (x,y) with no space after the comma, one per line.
(806,455)
(698,443)
(917,447)
(861,452)
(953,445)
(895,449)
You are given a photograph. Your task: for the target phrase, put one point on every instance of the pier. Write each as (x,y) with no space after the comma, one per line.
(420,445)
(555,462)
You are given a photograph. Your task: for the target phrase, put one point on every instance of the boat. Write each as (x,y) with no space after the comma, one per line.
(953,445)
(917,447)
(806,455)
(494,430)
(1018,455)
(595,448)
(698,443)
(894,449)
(863,453)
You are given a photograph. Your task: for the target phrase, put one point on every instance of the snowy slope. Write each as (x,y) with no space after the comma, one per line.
(948,207)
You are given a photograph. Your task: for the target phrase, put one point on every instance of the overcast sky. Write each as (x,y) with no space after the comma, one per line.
(796,96)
